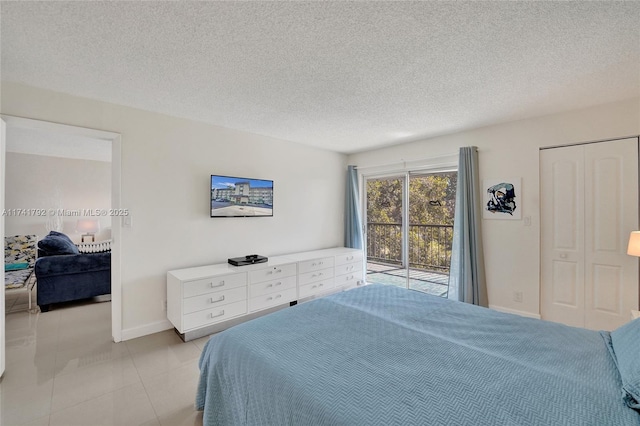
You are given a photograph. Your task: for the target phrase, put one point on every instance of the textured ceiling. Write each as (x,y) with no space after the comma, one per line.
(346,76)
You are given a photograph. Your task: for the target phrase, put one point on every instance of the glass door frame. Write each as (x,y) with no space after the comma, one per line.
(403,173)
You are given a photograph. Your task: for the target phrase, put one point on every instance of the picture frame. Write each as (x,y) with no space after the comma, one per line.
(502,198)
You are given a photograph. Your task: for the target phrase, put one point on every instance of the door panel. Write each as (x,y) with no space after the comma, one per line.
(611,206)
(562,242)
(565,290)
(607,289)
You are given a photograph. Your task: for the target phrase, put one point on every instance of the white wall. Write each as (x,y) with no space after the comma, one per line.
(512,250)
(43,182)
(166,164)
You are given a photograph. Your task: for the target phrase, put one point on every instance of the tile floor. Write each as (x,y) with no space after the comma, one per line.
(62,368)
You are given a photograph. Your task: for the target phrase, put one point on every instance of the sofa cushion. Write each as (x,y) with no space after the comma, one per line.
(57,243)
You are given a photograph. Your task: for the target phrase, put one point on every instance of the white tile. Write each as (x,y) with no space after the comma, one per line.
(91,382)
(41,324)
(154,341)
(38,354)
(128,406)
(173,391)
(27,372)
(85,311)
(73,357)
(201,342)
(82,334)
(161,352)
(18,406)
(42,421)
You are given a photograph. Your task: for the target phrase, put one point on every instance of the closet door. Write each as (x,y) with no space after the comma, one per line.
(562,239)
(611,212)
(589,204)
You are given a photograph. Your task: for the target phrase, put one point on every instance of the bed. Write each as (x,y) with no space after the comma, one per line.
(380,355)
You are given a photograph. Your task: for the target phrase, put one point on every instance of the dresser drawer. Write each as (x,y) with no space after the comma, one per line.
(217,283)
(272,273)
(210,300)
(314,276)
(315,288)
(272,299)
(356,256)
(315,265)
(348,279)
(214,315)
(266,287)
(353,284)
(348,268)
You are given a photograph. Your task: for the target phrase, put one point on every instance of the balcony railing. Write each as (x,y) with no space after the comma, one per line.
(429,245)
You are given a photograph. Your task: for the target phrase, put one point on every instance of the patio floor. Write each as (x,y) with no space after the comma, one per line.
(425,281)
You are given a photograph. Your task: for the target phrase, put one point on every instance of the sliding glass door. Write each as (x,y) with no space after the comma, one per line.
(409,230)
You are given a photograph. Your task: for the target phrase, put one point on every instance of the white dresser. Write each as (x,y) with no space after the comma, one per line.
(210,298)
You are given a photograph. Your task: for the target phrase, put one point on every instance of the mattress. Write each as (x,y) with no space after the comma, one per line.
(381,355)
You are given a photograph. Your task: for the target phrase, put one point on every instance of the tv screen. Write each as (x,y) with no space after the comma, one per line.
(241,197)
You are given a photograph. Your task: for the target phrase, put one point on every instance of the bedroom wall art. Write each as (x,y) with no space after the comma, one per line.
(502,198)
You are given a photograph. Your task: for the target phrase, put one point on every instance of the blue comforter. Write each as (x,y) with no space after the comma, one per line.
(381,355)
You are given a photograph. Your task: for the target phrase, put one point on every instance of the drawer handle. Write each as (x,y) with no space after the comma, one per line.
(314,275)
(316,286)
(349,268)
(278,283)
(219,315)
(276,297)
(350,258)
(217,285)
(216,301)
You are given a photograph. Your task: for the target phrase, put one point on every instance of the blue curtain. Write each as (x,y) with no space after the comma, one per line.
(353,223)
(466,278)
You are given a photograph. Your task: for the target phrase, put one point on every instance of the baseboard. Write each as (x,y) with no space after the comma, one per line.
(154,327)
(514,311)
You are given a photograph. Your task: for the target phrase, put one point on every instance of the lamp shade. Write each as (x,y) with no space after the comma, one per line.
(634,244)
(88,226)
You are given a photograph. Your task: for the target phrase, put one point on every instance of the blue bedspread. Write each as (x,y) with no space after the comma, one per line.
(381,355)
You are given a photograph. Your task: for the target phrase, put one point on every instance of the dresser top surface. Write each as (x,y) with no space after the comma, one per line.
(315,254)
(199,272)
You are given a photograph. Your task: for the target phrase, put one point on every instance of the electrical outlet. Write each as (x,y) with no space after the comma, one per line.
(517,296)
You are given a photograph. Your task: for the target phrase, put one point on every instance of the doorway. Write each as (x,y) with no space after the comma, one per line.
(114,140)
(409,229)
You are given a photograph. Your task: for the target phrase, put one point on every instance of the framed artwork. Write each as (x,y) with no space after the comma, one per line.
(502,199)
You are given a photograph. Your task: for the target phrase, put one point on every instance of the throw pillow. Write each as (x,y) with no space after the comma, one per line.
(57,244)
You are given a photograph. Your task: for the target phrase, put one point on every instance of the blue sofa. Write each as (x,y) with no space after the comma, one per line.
(64,274)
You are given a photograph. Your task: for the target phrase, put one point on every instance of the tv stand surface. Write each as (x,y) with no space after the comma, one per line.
(207,299)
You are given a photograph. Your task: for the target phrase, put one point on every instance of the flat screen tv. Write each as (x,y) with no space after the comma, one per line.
(241,197)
